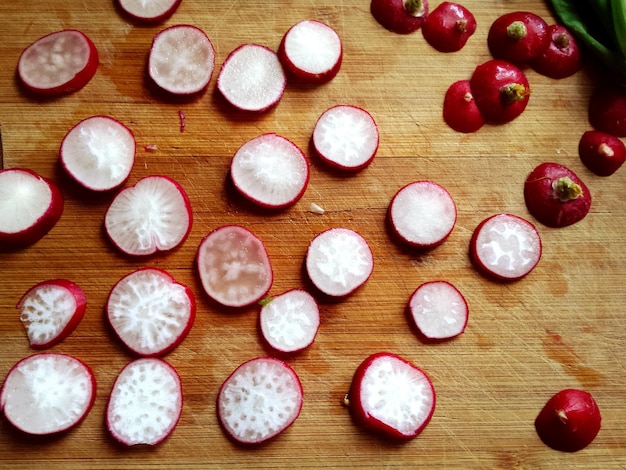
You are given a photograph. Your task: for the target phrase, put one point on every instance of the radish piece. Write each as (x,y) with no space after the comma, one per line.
(181,60)
(518,37)
(50,311)
(460,111)
(154,215)
(607,110)
(58,63)
(562,57)
(149,11)
(146,402)
(339,261)
(98,153)
(311,51)
(30,205)
(346,137)
(259,400)
(505,246)
(252,78)
(270,171)
(391,396)
(400,16)
(439,310)
(601,153)
(290,321)
(234,267)
(47,393)
(448,27)
(150,312)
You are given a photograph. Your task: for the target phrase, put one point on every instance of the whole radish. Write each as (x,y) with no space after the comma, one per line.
(448,27)
(460,110)
(400,16)
(601,153)
(518,37)
(562,58)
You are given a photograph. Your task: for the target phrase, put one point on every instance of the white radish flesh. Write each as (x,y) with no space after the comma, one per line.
(149,10)
(439,310)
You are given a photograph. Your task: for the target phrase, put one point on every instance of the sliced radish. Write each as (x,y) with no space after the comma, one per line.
(58,63)
(150,312)
(30,205)
(460,111)
(146,402)
(400,16)
(99,153)
(47,393)
(505,246)
(601,153)
(259,400)
(252,78)
(346,137)
(149,11)
(234,267)
(270,171)
(339,261)
(154,215)
(439,310)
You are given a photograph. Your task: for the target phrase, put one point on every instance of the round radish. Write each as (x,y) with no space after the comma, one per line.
(270,171)
(448,27)
(601,153)
(47,393)
(149,11)
(145,403)
(99,153)
(460,111)
(234,267)
(51,310)
(400,16)
(439,310)
(30,205)
(518,37)
(561,58)
(607,110)
(58,63)
(154,215)
(339,261)
(259,400)
(346,137)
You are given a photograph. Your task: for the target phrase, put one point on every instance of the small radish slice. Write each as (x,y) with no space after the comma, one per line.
(505,246)
(290,321)
(311,51)
(51,310)
(181,60)
(154,215)
(400,16)
(47,393)
(448,27)
(259,400)
(460,111)
(422,214)
(149,11)
(439,310)
(601,153)
(30,205)
(252,78)
(339,261)
(98,153)
(270,171)
(234,267)
(58,63)
(346,137)
(150,312)
(145,403)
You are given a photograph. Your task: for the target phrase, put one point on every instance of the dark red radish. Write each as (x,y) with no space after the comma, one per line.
(51,310)
(448,27)
(439,310)
(234,267)
(460,111)
(601,153)
(400,16)
(149,11)
(518,37)
(47,393)
(607,110)
(145,403)
(569,421)
(59,63)
(562,58)
(556,196)
(346,137)
(505,247)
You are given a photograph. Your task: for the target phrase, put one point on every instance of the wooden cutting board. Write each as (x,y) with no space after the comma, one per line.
(562,326)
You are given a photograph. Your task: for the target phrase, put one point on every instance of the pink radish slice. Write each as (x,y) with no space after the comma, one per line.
(439,310)
(145,403)
(149,11)
(154,215)
(505,246)
(47,393)
(234,267)
(150,312)
(252,78)
(346,137)
(99,153)
(30,205)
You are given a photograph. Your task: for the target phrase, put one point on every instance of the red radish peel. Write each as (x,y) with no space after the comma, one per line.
(518,37)
(607,110)
(562,57)
(400,16)
(438,310)
(601,153)
(448,27)
(151,11)
(460,111)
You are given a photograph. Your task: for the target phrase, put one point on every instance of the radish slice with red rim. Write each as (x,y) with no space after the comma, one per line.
(439,310)
(149,11)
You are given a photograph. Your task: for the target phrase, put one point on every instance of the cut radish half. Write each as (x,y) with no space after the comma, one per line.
(270,171)
(149,11)
(47,393)
(146,402)
(505,246)
(154,215)
(150,312)
(252,78)
(346,137)
(339,261)
(439,310)
(259,400)
(234,267)
(98,153)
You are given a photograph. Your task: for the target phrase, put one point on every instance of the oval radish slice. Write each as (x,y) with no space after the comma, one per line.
(47,393)
(149,10)
(505,246)
(439,310)
(58,63)
(234,267)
